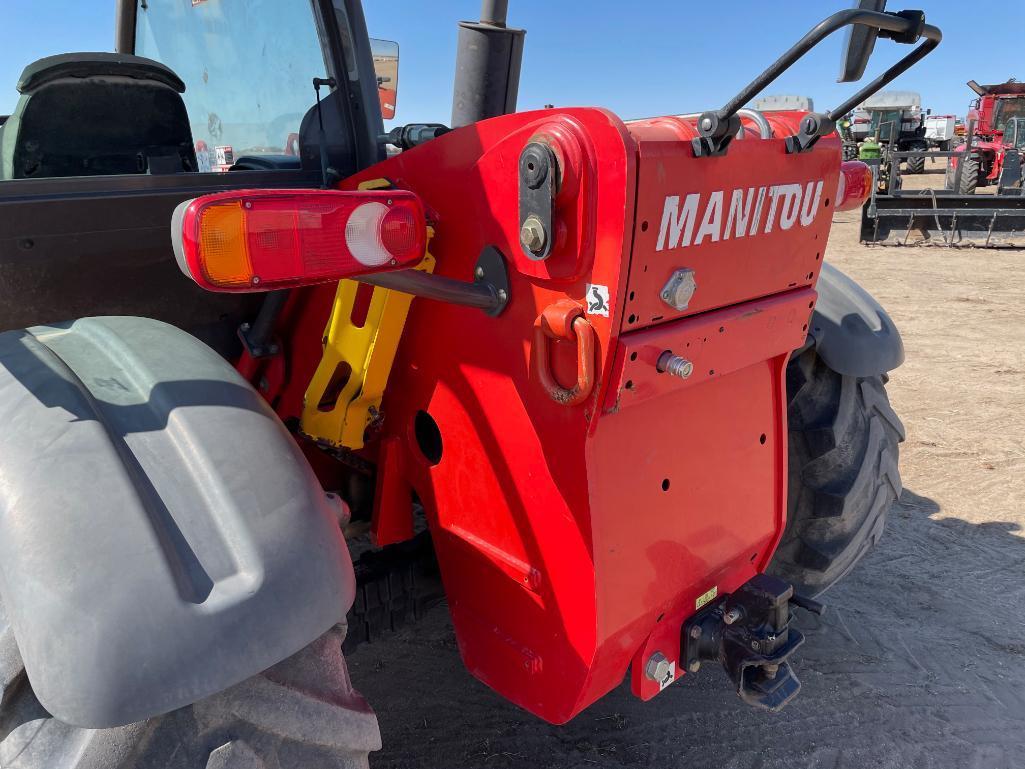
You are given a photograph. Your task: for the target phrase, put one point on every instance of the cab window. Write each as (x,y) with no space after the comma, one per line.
(248,67)
(1005,109)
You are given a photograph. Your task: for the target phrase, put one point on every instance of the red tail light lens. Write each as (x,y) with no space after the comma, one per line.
(854,186)
(259,240)
(399,231)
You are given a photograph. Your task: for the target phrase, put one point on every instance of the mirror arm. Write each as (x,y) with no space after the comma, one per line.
(718,127)
(933,37)
(814,127)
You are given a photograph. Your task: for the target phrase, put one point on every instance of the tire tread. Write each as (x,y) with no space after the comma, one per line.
(844,473)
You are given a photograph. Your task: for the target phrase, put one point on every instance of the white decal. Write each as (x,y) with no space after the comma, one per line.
(711,223)
(668,678)
(676,219)
(758,211)
(597,299)
(740,213)
(791,194)
(789,204)
(808,211)
(774,194)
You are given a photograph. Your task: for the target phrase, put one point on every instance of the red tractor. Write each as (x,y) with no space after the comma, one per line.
(996,106)
(593,370)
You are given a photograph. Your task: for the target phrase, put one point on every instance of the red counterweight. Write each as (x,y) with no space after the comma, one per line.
(576,534)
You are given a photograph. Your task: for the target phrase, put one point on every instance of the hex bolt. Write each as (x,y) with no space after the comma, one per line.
(733,615)
(675,365)
(771,671)
(478,272)
(533,235)
(694,666)
(657,667)
(695,632)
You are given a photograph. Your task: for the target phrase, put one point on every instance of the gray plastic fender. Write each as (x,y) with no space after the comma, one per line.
(850,330)
(162,537)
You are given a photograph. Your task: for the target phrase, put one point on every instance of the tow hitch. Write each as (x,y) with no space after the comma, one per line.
(749,633)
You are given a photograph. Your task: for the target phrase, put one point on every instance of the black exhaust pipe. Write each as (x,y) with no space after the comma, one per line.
(487,66)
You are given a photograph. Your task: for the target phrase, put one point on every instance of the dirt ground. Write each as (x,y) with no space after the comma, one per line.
(920,659)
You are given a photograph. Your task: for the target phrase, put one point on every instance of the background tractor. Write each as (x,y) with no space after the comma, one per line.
(990,113)
(250,415)
(991,153)
(894,119)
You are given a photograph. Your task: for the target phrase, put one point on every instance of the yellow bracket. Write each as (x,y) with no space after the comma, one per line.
(344,396)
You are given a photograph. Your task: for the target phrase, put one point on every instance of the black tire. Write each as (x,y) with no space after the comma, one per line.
(843,477)
(301,713)
(969,175)
(916,164)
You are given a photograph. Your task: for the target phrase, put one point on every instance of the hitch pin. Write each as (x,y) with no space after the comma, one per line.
(675,365)
(808,604)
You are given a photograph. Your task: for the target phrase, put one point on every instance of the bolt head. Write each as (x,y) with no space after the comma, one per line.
(694,667)
(695,632)
(732,616)
(533,235)
(657,667)
(478,273)
(679,289)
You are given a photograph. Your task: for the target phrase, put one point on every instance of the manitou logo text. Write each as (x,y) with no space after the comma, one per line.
(748,211)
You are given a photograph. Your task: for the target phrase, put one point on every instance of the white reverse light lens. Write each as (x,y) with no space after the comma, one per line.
(363,235)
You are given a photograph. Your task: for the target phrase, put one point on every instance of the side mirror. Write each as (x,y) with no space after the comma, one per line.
(859,44)
(386,67)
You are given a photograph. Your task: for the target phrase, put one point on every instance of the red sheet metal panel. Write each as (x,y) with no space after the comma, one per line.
(750,223)
(558,546)
(702,501)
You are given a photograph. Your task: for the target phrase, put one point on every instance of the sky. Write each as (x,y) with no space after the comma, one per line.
(638,59)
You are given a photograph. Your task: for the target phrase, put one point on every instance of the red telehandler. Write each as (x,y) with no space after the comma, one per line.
(593,371)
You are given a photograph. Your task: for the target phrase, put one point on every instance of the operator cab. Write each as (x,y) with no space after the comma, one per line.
(196,88)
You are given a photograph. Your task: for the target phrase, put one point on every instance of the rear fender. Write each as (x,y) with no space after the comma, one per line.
(161,535)
(850,330)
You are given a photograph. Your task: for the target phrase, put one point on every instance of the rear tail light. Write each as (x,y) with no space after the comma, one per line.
(854,186)
(258,240)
